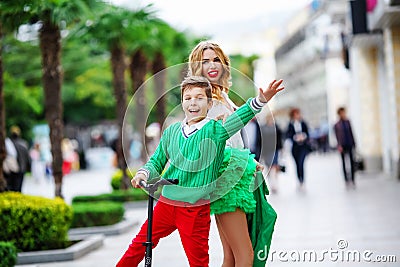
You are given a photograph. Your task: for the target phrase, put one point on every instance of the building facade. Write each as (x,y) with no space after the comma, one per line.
(374,52)
(310,60)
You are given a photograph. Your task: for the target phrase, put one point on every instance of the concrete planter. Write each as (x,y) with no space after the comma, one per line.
(86,244)
(90,239)
(107,230)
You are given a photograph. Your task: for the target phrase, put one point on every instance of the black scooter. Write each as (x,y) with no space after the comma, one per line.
(152,188)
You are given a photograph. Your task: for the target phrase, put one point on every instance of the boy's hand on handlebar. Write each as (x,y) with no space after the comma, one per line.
(136,180)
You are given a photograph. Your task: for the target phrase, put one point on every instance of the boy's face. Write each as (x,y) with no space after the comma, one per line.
(195,104)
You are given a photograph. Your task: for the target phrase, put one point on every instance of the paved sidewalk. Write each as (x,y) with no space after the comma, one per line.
(326,220)
(329,217)
(85,182)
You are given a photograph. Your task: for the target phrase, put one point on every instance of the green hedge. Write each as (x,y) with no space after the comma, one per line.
(133,194)
(8,254)
(116,178)
(97,213)
(34,223)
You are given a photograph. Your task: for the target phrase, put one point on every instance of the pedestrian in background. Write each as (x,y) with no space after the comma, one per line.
(10,164)
(14,182)
(251,135)
(271,136)
(38,165)
(346,146)
(69,156)
(297,133)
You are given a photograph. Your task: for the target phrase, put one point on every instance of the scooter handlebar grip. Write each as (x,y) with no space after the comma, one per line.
(143,184)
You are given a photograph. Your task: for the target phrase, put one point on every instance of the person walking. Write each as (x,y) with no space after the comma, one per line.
(346,146)
(37,163)
(14,181)
(297,133)
(251,135)
(10,165)
(271,136)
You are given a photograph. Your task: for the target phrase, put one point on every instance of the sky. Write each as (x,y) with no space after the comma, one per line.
(237,26)
(208,16)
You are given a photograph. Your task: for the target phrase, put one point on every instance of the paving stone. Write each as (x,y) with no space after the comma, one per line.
(367,218)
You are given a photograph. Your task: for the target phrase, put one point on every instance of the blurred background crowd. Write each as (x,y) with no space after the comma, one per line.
(67,78)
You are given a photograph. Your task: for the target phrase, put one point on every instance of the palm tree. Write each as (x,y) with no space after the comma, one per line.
(139,51)
(169,47)
(113,28)
(8,23)
(162,38)
(149,54)
(3,183)
(138,68)
(53,16)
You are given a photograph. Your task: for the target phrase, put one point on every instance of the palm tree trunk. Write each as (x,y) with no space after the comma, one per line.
(158,68)
(50,46)
(138,70)
(3,183)
(118,69)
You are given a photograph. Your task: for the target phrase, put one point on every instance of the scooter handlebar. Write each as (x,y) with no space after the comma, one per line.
(160,182)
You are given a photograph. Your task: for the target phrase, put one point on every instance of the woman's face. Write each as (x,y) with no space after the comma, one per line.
(211,66)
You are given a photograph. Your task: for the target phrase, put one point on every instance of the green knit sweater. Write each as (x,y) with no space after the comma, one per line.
(195,159)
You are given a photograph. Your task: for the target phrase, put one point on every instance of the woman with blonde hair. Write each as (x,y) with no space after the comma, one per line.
(233,197)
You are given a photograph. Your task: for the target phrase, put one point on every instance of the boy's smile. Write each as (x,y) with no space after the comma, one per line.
(195,104)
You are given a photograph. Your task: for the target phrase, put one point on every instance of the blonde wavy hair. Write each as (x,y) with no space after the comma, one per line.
(195,66)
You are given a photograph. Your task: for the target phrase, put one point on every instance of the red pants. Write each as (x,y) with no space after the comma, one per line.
(192,222)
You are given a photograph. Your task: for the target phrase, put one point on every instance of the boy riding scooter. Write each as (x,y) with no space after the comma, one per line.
(194,150)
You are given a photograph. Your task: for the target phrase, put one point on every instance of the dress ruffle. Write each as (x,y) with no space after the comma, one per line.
(234,187)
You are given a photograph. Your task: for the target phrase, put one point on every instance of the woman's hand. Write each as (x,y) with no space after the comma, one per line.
(222,117)
(259,166)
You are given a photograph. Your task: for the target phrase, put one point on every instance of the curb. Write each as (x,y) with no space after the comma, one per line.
(136,204)
(88,244)
(107,230)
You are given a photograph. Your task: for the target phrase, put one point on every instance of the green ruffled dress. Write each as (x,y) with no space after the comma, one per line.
(237,187)
(234,187)
(261,223)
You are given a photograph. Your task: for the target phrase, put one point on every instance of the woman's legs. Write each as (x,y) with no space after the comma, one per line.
(235,239)
(229,259)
